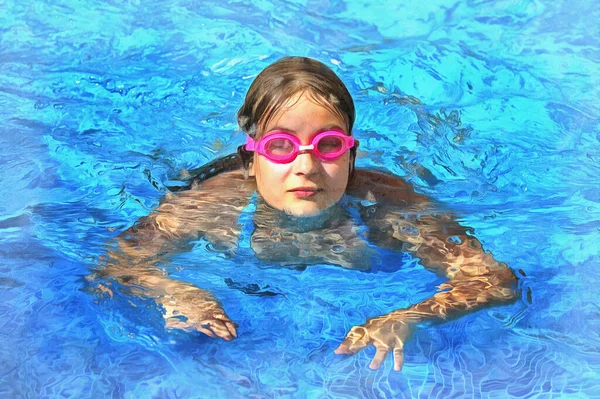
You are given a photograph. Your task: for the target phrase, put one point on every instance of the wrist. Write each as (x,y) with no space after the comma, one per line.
(410,315)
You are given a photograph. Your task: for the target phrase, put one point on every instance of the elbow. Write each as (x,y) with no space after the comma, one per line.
(508,277)
(505,283)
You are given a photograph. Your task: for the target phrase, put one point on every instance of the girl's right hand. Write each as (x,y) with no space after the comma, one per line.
(191,308)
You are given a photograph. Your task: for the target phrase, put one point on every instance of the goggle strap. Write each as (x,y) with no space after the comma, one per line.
(253,145)
(306,147)
(250,144)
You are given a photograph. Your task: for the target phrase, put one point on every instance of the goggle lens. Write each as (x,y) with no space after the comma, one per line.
(279,147)
(330,145)
(282,147)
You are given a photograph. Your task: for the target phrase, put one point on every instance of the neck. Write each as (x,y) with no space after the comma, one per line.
(267,216)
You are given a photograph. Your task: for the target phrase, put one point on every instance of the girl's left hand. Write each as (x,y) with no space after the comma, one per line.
(386,333)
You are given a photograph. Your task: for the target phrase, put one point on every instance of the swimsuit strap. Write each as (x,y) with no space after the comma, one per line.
(224,164)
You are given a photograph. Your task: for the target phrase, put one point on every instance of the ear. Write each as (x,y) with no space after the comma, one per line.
(251,171)
(247,160)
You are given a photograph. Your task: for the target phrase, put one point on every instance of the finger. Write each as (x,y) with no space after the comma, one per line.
(219,329)
(231,327)
(343,349)
(398,359)
(174,322)
(379,357)
(225,318)
(207,332)
(347,348)
(355,335)
(355,340)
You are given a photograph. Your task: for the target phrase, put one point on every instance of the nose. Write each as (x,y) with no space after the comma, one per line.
(305,163)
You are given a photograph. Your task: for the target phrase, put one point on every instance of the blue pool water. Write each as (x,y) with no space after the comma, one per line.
(491,107)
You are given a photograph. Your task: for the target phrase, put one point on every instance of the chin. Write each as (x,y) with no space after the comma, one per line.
(304,210)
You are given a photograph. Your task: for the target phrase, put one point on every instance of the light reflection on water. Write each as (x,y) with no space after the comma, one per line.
(490,108)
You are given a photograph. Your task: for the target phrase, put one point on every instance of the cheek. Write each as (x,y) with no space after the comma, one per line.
(338,173)
(268,174)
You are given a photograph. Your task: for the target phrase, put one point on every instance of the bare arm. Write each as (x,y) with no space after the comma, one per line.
(211,211)
(475,278)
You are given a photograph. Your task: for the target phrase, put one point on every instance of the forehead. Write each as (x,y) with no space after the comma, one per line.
(305,112)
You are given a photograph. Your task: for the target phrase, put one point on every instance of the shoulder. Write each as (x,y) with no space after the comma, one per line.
(383,187)
(226,190)
(234,179)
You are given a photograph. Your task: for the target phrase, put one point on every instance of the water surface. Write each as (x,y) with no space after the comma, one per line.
(488,107)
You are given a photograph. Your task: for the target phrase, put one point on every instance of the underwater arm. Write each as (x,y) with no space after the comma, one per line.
(475,280)
(185,305)
(181,219)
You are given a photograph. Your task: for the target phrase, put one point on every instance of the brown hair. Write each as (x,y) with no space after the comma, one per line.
(285,78)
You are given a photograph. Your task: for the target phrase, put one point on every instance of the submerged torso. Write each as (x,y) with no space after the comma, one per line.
(352,234)
(338,236)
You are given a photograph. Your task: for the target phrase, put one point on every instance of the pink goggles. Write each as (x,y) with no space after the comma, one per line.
(282,147)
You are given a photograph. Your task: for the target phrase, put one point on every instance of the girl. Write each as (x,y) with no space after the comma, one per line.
(299,159)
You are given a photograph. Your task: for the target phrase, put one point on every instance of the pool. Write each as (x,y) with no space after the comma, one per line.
(488,107)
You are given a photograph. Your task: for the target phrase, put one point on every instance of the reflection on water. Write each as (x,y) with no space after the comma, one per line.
(100,112)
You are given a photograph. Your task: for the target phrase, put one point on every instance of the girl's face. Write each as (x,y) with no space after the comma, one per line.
(307,185)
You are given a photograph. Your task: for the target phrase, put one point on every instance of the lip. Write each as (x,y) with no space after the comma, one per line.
(303,192)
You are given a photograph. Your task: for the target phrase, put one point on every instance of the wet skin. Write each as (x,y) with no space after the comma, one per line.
(310,189)
(475,278)
(307,185)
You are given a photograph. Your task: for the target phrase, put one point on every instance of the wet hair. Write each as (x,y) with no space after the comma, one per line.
(286,78)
